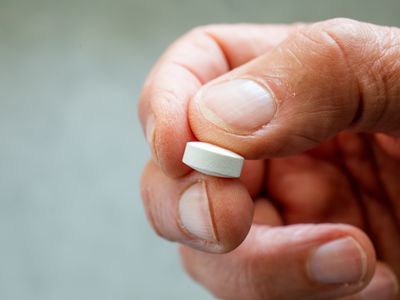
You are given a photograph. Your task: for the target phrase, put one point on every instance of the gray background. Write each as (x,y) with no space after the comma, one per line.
(71,149)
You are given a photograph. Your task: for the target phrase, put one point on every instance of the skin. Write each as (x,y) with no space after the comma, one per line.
(333,143)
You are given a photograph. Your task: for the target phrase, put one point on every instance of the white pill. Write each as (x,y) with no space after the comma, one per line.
(212,160)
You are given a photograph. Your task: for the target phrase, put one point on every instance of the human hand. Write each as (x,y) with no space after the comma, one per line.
(316,110)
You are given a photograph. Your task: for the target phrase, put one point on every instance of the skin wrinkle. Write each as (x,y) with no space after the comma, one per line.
(215,39)
(201,31)
(145,195)
(360,107)
(165,97)
(190,70)
(358,190)
(388,170)
(384,109)
(389,69)
(360,184)
(293,54)
(369,79)
(383,190)
(323,128)
(311,140)
(376,83)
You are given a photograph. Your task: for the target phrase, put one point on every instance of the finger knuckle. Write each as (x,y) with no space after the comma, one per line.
(204,29)
(366,57)
(372,55)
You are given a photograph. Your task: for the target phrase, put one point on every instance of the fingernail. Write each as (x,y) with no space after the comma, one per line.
(339,261)
(194,212)
(383,286)
(149,132)
(239,105)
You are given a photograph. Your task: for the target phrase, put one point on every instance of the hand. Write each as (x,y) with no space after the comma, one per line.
(315,109)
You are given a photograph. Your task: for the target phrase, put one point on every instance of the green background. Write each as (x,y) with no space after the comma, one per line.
(71,148)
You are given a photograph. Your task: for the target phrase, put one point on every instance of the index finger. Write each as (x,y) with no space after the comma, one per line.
(198,57)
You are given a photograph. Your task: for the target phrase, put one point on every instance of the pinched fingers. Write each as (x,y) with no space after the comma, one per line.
(198,57)
(207,213)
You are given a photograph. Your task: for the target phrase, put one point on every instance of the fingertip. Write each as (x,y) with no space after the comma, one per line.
(384,284)
(168,146)
(252,176)
(207,213)
(209,128)
(163,115)
(215,213)
(368,249)
(231,211)
(266,213)
(166,132)
(350,252)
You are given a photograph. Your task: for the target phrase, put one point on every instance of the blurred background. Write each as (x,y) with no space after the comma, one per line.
(71,149)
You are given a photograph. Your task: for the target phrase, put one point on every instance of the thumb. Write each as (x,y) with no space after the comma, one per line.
(326,77)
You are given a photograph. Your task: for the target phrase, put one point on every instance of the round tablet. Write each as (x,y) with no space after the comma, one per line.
(212,160)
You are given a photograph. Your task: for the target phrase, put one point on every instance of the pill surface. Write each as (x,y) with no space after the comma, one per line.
(212,160)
